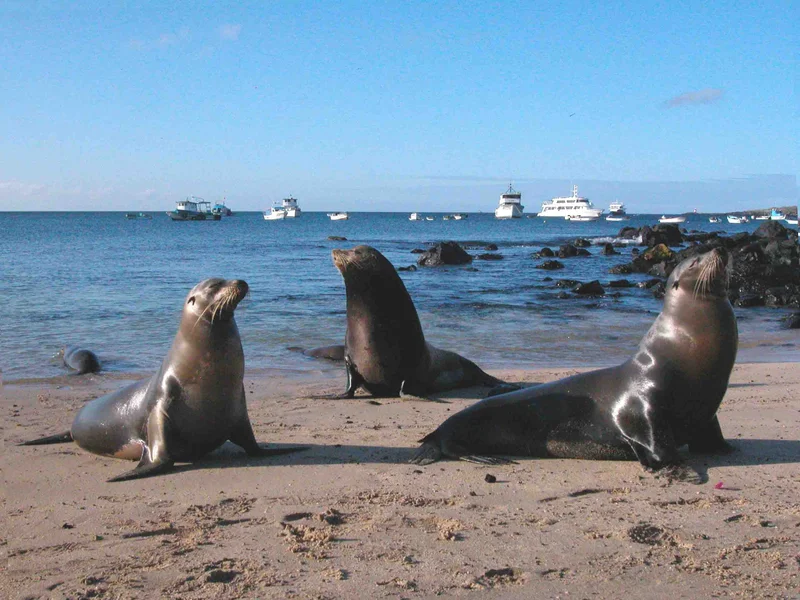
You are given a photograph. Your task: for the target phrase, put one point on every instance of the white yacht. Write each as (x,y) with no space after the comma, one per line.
(338,216)
(714,219)
(275,214)
(510,206)
(290,207)
(736,220)
(569,207)
(678,219)
(616,212)
(415,217)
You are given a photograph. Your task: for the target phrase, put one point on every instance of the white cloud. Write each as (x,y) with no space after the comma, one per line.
(706,96)
(230,31)
(20,188)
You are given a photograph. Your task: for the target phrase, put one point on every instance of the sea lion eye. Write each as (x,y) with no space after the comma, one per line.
(190,301)
(676,285)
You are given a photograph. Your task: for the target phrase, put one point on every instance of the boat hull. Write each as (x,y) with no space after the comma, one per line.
(508,211)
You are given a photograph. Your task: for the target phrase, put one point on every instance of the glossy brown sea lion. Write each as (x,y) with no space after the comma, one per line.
(665,396)
(385,351)
(192,405)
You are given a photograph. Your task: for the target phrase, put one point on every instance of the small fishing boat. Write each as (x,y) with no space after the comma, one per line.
(429,218)
(791,219)
(714,219)
(415,217)
(583,218)
(736,219)
(460,216)
(193,209)
(338,216)
(776,215)
(276,213)
(222,210)
(290,207)
(678,219)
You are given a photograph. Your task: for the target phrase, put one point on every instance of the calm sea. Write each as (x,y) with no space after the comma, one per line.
(117,286)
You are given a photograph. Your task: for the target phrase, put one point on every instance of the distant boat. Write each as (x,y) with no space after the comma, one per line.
(791,219)
(585,218)
(276,213)
(140,215)
(460,216)
(616,212)
(338,216)
(222,210)
(570,206)
(678,219)
(736,220)
(510,206)
(290,207)
(429,218)
(776,215)
(415,217)
(761,218)
(193,209)
(714,219)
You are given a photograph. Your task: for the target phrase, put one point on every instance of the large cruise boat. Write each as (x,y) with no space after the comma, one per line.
(571,207)
(510,206)
(290,207)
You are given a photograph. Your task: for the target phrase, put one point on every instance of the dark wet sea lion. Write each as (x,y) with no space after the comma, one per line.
(192,405)
(81,360)
(385,350)
(662,398)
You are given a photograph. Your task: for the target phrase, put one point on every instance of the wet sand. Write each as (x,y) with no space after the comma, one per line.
(350,518)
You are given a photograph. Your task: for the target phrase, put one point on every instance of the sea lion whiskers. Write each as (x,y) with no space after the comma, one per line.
(710,270)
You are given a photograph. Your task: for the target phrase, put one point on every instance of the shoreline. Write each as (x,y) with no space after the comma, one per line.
(350,518)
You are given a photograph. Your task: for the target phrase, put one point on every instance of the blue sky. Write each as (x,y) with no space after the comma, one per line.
(397,105)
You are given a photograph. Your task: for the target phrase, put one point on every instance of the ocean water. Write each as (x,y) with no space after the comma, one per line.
(117,286)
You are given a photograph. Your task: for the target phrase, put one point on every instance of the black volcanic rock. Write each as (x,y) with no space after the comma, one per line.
(567,251)
(490,256)
(544,253)
(337,238)
(771,230)
(550,265)
(581,243)
(792,321)
(628,233)
(608,250)
(490,247)
(620,283)
(418,251)
(567,283)
(408,268)
(593,288)
(667,234)
(444,253)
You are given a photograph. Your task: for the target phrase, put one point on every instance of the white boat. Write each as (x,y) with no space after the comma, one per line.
(714,219)
(678,219)
(583,218)
(761,217)
(616,212)
(791,219)
(275,214)
(429,218)
(459,216)
(776,215)
(510,206)
(415,217)
(570,206)
(736,220)
(290,207)
(338,216)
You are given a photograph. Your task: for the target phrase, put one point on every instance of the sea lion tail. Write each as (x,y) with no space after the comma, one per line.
(59,438)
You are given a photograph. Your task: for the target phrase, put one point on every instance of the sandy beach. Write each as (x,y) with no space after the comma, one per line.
(350,518)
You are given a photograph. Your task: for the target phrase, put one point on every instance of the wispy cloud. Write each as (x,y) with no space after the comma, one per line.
(163,40)
(706,96)
(20,188)
(230,31)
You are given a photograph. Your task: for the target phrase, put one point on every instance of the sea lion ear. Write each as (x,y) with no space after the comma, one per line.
(190,300)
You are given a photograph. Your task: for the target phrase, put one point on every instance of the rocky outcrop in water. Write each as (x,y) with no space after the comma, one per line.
(550,265)
(765,267)
(444,253)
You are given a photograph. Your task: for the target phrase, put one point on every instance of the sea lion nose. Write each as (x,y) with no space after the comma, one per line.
(241,286)
(722,252)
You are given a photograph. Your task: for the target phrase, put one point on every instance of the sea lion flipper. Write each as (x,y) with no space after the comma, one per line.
(59,438)
(426,454)
(486,460)
(145,468)
(708,439)
(267,451)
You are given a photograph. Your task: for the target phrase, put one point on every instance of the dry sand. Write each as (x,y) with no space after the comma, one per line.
(350,518)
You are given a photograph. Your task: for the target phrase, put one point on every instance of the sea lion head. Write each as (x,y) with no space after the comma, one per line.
(362,259)
(214,300)
(704,276)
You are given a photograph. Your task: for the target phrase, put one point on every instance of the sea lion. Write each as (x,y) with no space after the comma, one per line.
(80,360)
(385,350)
(192,405)
(665,396)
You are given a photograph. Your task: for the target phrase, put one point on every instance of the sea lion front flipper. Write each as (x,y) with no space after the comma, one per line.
(708,439)
(243,436)
(648,432)
(407,392)
(145,468)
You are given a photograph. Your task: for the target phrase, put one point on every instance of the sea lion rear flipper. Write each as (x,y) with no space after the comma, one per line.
(145,468)
(59,438)
(486,460)
(426,454)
